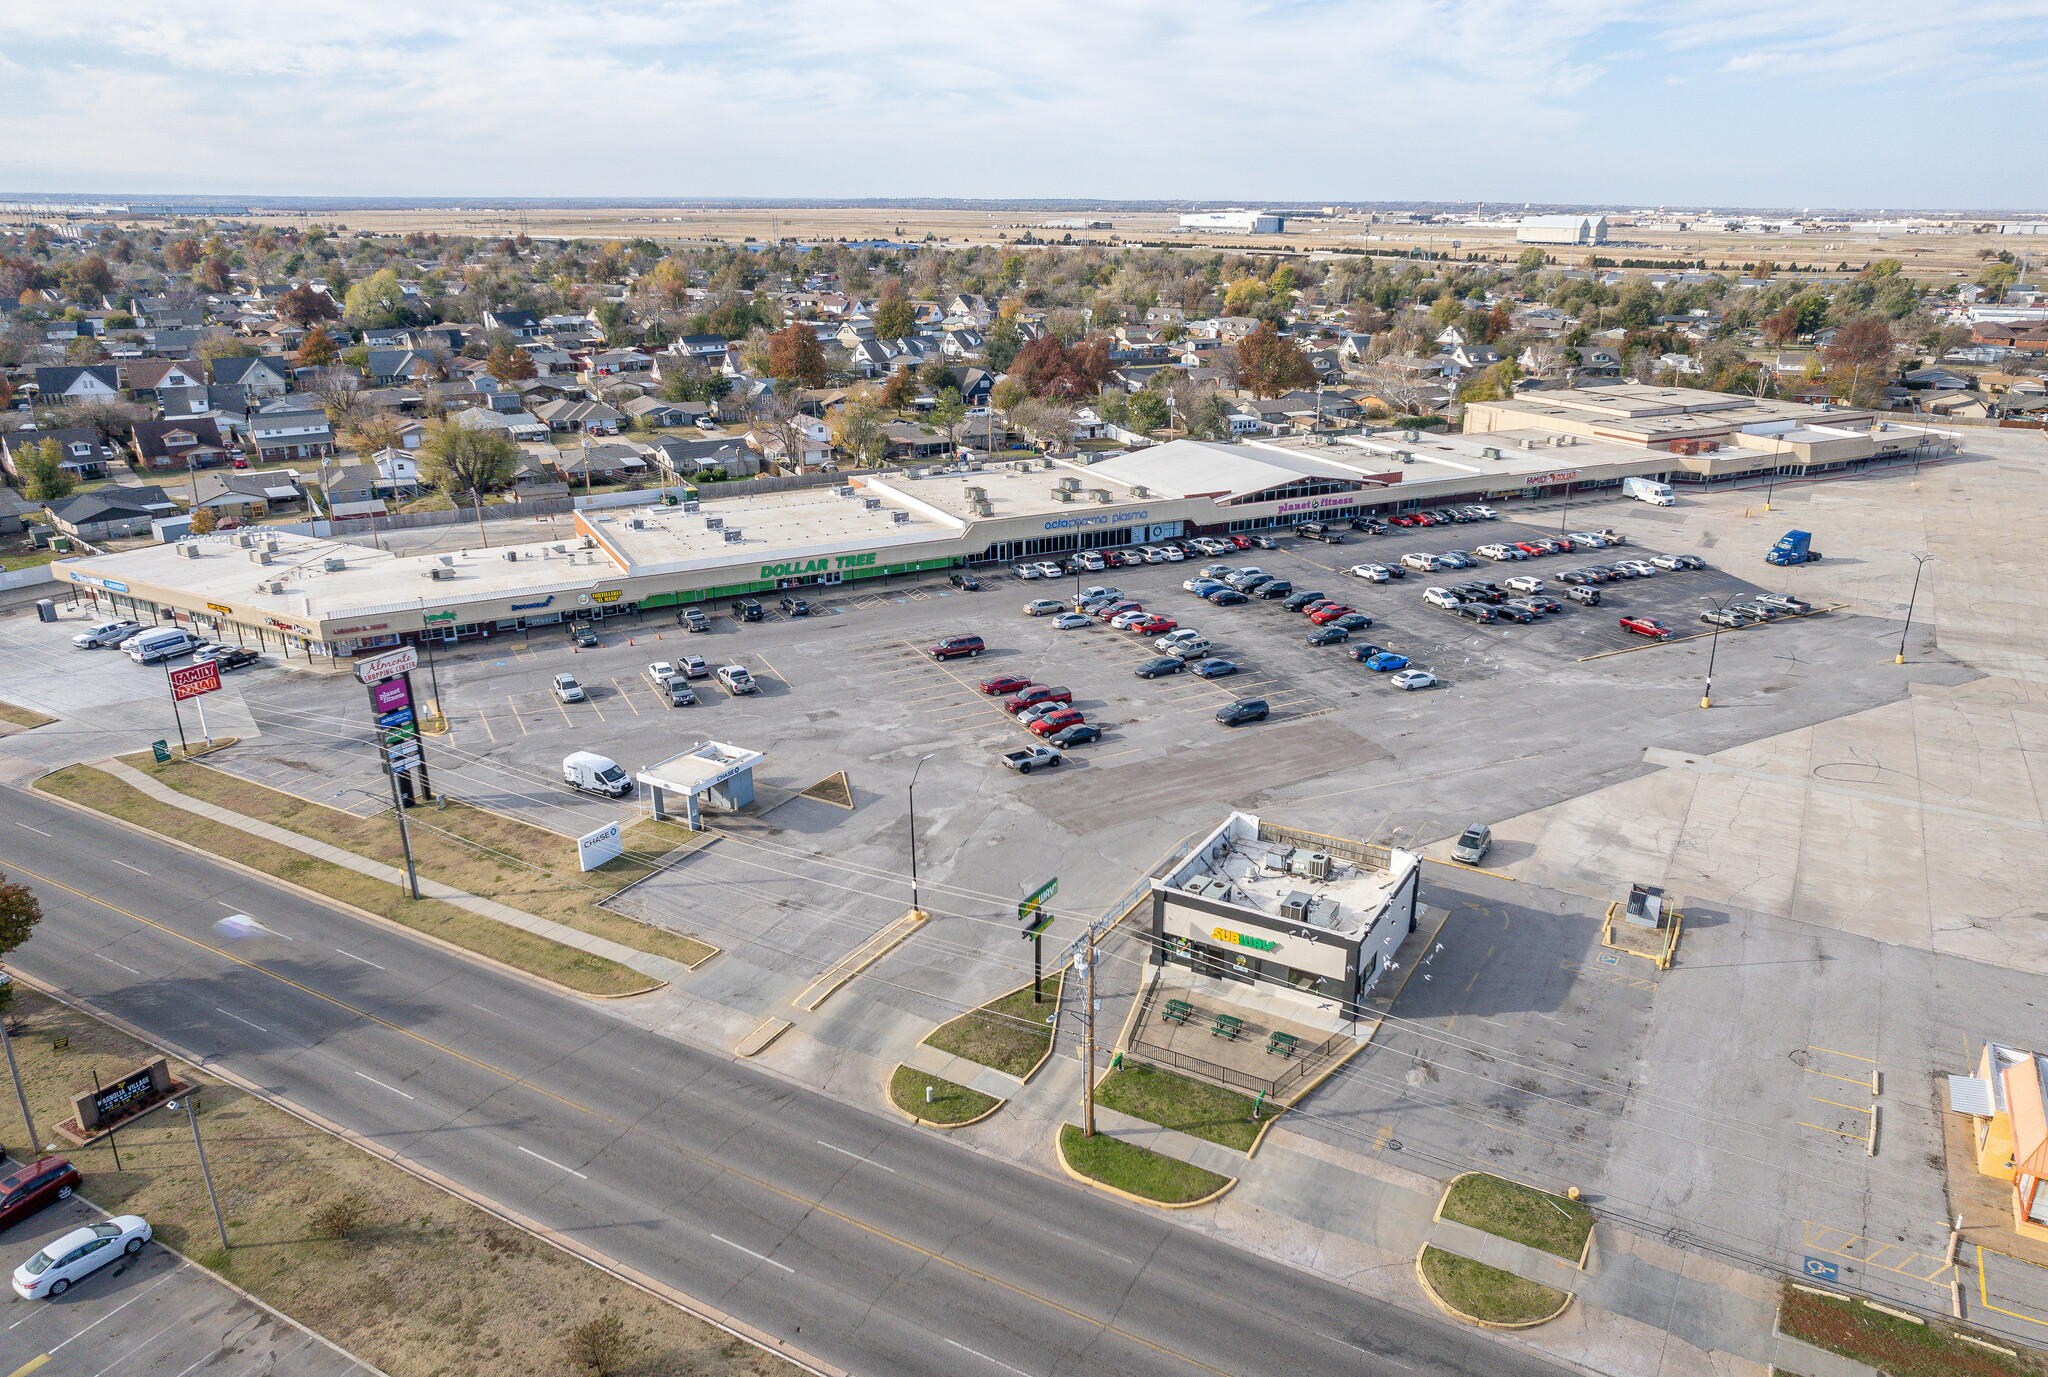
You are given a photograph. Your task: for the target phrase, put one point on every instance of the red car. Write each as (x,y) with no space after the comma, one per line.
(1410,519)
(1037,693)
(27,1189)
(1057,721)
(1530,547)
(1117,609)
(1156,626)
(1329,613)
(1241,542)
(1646,626)
(1309,609)
(1005,683)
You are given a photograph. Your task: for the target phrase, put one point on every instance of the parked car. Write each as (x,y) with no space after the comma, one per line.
(1043,607)
(1455,559)
(1294,602)
(1228,597)
(1123,621)
(1072,621)
(1036,693)
(1472,846)
(1276,589)
(955,646)
(1037,710)
(1723,616)
(967,582)
(738,679)
(1109,612)
(1386,660)
(1421,563)
(1441,597)
(1214,668)
(1478,612)
(1004,684)
(1328,635)
(1755,611)
(228,656)
(747,610)
(1784,602)
(1372,573)
(1150,624)
(1026,571)
(1646,626)
(1263,543)
(1514,612)
(567,689)
(29,1188)
(1076,734)
(1242,711)
(1543,602)
(1057,721)
(1352,621)
(1323,616)
(693,619)
(1524,583)
(59,1265)
(693,666)
(1163,664)
(105,634)
(1413,679)
(1585,597)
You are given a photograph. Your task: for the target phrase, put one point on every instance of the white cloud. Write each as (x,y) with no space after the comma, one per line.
(1352,99)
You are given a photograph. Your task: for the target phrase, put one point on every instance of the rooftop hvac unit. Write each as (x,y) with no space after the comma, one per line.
(1491,453)
(1045,462)
(902,518)
(511,554)
(1280,859)
(334,564)
(1070,483)
(1645,906)
(246,542)
(1140,490)
(559,549)
(690,508)
(636,523)
(843,490)
(270,545)
(1207,886)
(275,588)
(711,523)
(259,556)
(1314,864)
(732,535)
(1063,494)
(1295,906)
(590,541)
(977,494)
(983,508)
(1556,441)
(1411,436)
(187,549)
(872,504)
(1524,443)
(1404,456)
(1324,913)
(448,560)
(440,572)
(1100,495)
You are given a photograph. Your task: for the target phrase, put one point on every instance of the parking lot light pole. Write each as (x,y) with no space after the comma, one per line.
(1713,646)
(1919,568)
(914,908)
(191,1105)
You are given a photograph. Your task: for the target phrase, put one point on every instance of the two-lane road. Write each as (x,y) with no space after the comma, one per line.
(879,1247)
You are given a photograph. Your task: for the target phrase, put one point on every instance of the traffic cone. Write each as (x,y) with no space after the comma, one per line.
(629,640)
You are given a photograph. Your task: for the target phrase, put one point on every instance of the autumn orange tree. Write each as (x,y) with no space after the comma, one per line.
(1268,365)
(795,356)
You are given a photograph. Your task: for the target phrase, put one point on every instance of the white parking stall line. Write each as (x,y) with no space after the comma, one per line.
(137,1348)
(122,1306)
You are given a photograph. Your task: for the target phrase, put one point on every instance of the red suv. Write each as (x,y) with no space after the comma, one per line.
(1646,626)
(1037,693)
(27,1189)
(1328,613)
(955,646)
(1005,683)
(1057,721)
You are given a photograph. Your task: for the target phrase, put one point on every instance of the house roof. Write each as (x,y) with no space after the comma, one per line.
(238,370)
(149,435)
(112,503)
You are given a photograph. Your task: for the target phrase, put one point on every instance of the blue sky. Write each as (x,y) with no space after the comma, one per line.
(1862,103)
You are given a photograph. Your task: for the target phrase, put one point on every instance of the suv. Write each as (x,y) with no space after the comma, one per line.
(567,689)
(1472,846)
(1294,602)
(1278,588)
(27,1189)
(794,606)
(1242,711)
(955,646)
(746,610)
(967,582)
(583,634)
(1585,597)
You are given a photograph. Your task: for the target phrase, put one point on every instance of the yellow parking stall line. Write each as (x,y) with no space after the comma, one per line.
(1833,1053)
(1852,1080)
(1984,1295)
(562,709)
(593,707)
(1383,1137)
(484,718)
(771,667)
(980,712)
(1922,1267)
(1859,1108)
(625,695)
(1114,754)
(1852,1137)
(515,714)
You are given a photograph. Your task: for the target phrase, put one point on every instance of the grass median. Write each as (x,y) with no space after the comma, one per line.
(1137,1170)
(344,1242)
(477,852)
(1513,1211)
(24,717)
(1010,1034)
(1204,1111)
(936,1101)
(1896,1346)
(1480,1292)
(540,956)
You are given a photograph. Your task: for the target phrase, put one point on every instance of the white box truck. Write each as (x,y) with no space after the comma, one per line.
(595,774)
(1647,490)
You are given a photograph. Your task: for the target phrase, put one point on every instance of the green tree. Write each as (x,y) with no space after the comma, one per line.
(1148,412)
(459,459)
(1531,260)
(510,365)
(611,318)
(376,302)
(857,430)
(895,317)
(948,414)
(20,911)
(44,477)
(1003,341)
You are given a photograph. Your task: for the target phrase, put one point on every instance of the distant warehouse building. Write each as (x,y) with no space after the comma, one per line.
(1562,229)
(1234,222)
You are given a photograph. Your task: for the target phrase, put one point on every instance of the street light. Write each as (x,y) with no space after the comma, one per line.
(913,835)
(1919,568)
(1714,646)
(191,1115)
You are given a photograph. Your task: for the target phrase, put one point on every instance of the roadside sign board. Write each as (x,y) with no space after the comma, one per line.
(194,680)
(400,718)
(162,751)
(593,849)
(390,696)
(389,665)
(1037,898)
(1040,921)
(402,757)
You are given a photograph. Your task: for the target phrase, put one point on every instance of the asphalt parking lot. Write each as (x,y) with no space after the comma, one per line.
(154,1313)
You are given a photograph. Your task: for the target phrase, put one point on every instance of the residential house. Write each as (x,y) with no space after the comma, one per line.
(531,392)
(146,378)
(550,362)
(398,473)
(86,453)
(853,333)
(1965,405)
(110,512)
(262,378)
(518,324)
(1682,364)
(1470,358)
(98,382)
(226,403)
(1936,380)
(351,490)
(708,349)
(657,412)
(520,425)
(601,464)
(913,442)
(589,418)
(969,306)
(282,435)
(960,344)
(973,384)
(1354,348)
(388,366)
(1599,361)
(172,343)
(814,446)
(614,362)
(684,458)
(246,496)
(186,442)
(13,512)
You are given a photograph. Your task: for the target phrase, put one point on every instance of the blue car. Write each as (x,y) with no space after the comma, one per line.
(1387,659)
(1204,587)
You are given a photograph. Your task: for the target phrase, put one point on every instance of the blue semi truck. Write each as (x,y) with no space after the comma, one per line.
(1793,547)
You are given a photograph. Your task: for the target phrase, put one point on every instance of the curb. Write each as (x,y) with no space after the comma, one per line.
(1059,1151)
(338,905)
(1059,975)
(1440,1303)
(931,1123)
(1585,1249)
(660,1290)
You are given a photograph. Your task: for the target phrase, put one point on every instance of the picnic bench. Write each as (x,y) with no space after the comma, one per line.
(1177,1011)
(1227,1025)
(1284,1044)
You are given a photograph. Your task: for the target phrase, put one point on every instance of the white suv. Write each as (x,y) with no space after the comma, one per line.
(1524,583)
(1441,597)
(1423,563)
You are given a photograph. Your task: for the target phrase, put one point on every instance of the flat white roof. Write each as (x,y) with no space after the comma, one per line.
(1203,468)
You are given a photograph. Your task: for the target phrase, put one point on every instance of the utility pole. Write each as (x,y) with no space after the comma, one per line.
(191,1101)
(35,1142)
(477,499)
(1088,1080)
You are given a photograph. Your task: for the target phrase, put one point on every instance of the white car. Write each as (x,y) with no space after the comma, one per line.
(736,678)
(1092,562)
(1587,539)
(1173,640)
(1026,571)
(1153,554)
(1641,568)
(1096,590)
(1441,597)
(1048,570)
(1486,513)
(1072,621)
(1424,563)
(661,671)
(1525,583)
(567,689)
(1413,679)
(78,1254)
(1124,621)
(1173,553)
(106,633)
(1371,573)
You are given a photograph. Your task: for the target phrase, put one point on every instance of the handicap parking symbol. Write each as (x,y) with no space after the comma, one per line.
(1611,959)
(1820,1270)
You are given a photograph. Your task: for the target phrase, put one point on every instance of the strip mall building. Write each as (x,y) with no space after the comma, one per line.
(326,600)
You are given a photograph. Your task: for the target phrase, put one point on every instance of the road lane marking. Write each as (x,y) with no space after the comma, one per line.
(125,866)
(239,1019)
(482,1010)
(112,962)
(761,1257)
(380,1085)
(37,830)
(855,1156)
(556,1165)
(986,1359)
(813,1205)
(1366,1351)
(364,959)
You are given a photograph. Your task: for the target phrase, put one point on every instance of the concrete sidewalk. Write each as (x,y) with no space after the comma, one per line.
(646,963)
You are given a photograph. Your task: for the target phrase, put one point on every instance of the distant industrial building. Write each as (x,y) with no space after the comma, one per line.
(1234,222)
(1078,225)
(1562,229)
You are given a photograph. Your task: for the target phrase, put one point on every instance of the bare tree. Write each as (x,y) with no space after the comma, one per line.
(341,396)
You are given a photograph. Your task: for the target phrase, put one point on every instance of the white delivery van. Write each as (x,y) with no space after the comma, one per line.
(595,774)
(1648,490)
(161,644)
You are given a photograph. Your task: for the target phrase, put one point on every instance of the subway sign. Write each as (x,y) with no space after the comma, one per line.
(797,568)
(1241,939)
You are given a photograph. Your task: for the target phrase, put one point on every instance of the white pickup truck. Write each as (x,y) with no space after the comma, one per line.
(1030,758)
